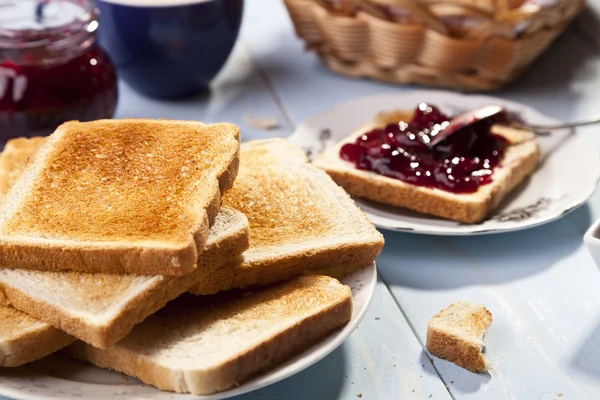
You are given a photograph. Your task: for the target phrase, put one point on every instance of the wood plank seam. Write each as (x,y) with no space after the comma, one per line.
(412,328)
(276,98)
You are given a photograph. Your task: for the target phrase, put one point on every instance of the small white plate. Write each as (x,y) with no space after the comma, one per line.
(565,179)
(59,377)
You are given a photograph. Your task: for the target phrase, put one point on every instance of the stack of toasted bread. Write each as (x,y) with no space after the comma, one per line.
(116,236)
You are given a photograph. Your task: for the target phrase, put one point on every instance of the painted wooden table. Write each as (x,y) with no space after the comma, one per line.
(541,284)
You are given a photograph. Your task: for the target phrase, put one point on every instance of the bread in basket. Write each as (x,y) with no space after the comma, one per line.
(472,45)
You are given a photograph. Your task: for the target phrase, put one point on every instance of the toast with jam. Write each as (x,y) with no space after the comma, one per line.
(119,196)
(462,178)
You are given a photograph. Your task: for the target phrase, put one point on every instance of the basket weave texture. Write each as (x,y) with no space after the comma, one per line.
(473,45)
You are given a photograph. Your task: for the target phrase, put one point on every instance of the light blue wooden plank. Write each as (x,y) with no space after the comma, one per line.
(381,360)
(238,92)
(304,85)
(541,287)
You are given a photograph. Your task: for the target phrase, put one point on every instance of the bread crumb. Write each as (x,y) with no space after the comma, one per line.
(457,333)
(394,365)
(560,395)
(264,123)
(359,395)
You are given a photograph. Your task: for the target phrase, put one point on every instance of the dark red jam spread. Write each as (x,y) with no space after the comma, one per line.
(461,163)
(51,69)
(36,99)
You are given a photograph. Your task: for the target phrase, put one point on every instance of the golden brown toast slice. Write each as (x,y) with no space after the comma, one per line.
(24,339)
(519,162)
(116,196)
(207,344)
(101,308)
(300,221)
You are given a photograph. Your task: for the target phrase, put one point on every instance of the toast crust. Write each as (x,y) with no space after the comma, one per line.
(24,339)
(308,322)
(300,220)
(161,236)
(156,292)
(519,162)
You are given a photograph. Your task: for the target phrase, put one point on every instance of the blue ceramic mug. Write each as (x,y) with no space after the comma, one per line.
(169,48)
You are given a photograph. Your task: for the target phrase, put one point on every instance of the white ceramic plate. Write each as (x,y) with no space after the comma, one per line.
(59,377)
(565,179)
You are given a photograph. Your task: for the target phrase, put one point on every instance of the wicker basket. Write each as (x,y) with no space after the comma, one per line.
(473,45)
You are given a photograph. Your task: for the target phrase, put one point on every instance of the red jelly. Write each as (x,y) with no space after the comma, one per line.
(460,163)
(51,69)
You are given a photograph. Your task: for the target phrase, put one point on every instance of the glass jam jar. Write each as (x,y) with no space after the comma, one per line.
(51,69)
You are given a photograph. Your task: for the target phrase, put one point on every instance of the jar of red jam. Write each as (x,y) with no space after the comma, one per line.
(51,68)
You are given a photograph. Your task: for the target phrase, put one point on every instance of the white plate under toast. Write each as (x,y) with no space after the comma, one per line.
(564,180)
(59,377)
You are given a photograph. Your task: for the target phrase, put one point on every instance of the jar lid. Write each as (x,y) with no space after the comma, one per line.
(35,22)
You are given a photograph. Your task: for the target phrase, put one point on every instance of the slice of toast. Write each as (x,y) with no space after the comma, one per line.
(135,196)
(24,339)
(192,347)
(519,162)
(117,302)
(457,332)
(300,221)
